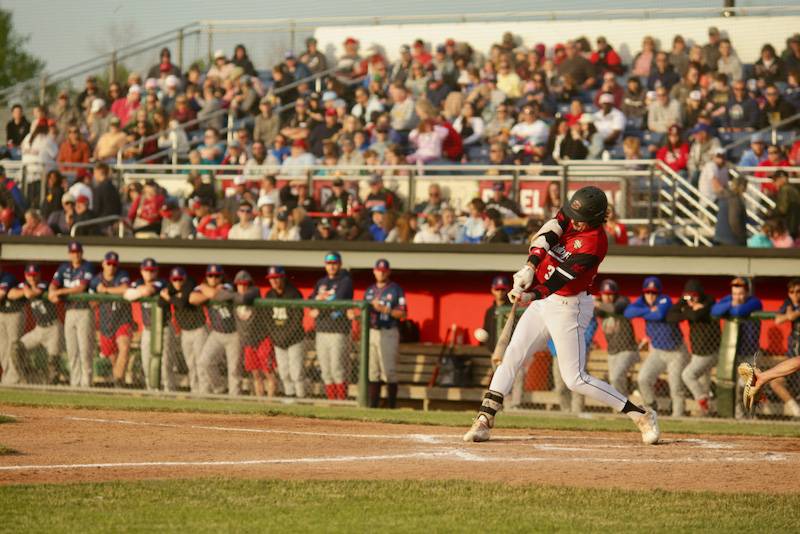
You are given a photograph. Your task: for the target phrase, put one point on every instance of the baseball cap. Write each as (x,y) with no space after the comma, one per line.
(739,282)
(338,182)
(282,215)
(275,271)
(757,138)
(379,208)
(405,49)
(67,198)
(74,246)
(82,199)
(500,282)
(151,83)
(149,264)
(329,95)
(97,105)
(702,127)
(333,257)
(351,40)
(608,287)
(719,151)
(243,277)
(265,200)
(111,258)
(713,30)
(651,285)
(214,268)
(299,143)
(289,55)
(219,54)
(177,273)
(330,112)
(382,265)
(32,268)
(606,98)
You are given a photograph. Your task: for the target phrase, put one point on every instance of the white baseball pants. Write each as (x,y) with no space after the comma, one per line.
(564,320)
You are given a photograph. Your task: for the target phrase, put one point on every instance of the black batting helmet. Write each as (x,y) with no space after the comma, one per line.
(589,205)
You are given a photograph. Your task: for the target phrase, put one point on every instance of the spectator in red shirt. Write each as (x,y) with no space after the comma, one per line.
(34,225)
(145,211)
(74,149)
(775,158)
(794,154)
(675,151)
(605,59)
(615,230)
(420,54)
(183,112)
(125,108)
(215,226)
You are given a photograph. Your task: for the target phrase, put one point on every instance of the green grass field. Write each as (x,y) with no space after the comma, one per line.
(219,504)
(213,505)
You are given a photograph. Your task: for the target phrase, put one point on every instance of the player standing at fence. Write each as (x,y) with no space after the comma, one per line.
(695,307)
(753,377)
(73,278)
(623,352)
(223,340)
(47,329)
(667,350)
(332,326)
(11,325)
(252,324)
(190,320)
(287,333)
(114,319)
(150,285)
(564,257)
(387,302)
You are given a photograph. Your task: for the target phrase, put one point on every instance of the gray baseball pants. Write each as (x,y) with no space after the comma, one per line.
(290,369)
(696,374)
(79,336)
(216,346)
(331,348)
(618,366)
(673,361)
(10,331)
(192,342)
(383,348)
(168,357)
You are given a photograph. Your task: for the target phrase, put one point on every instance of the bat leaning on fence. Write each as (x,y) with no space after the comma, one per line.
(505,336)
(448,346)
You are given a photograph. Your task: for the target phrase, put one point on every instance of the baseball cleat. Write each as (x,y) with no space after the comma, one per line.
(648,425)
(479,431)
(747,371)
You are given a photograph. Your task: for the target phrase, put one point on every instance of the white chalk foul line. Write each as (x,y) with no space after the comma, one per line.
(447,455)
(421,438)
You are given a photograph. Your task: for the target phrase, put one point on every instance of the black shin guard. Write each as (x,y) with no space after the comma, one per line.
(392,401)
(374,394)
(631,407)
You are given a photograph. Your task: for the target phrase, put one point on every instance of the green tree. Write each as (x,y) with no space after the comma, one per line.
(16,63)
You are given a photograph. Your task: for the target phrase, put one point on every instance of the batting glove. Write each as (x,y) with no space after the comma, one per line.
(520,295)
(524,277)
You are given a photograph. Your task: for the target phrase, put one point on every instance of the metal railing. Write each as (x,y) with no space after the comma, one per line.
(771,129)
(123,224)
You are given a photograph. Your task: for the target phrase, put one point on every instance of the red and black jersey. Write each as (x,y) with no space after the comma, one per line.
(567,264)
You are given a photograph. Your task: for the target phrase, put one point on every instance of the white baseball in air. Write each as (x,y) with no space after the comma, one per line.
(481,335)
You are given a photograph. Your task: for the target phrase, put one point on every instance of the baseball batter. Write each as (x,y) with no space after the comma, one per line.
(72,278)
(387,307)
(47,329)
(564,257)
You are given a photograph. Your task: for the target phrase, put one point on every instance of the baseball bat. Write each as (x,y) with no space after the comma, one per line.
(505,336)
(448,345)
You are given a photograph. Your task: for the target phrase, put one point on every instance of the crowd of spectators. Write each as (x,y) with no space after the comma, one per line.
(436,104)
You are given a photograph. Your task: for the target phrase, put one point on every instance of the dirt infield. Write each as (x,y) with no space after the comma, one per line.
(70,445)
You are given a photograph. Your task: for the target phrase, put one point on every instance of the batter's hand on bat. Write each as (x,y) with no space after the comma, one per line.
(523,278)
(517,294)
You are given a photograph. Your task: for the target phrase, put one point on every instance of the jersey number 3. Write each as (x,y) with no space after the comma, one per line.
(549,272)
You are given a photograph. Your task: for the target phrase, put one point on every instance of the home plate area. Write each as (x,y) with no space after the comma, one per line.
(68,445)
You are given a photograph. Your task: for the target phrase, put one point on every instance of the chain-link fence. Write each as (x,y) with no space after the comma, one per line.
(683,365)
(267,347)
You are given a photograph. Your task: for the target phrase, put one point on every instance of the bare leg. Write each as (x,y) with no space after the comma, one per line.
(272,384)
(258,383)
(785,368)
(779,387)
(121,361)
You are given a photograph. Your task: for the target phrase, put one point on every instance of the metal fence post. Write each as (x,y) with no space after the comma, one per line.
(650,199)
(180,49)
(363,363)
(726,369)
(42,89)
(156,344)
(210,31)
(112,67)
